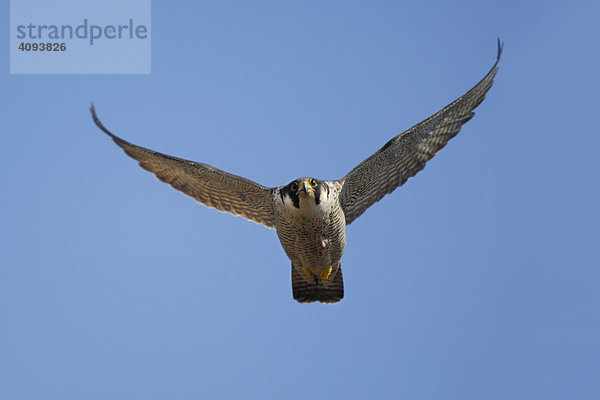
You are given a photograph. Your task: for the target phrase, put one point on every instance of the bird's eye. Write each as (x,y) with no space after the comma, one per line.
(313,182)
(294,186)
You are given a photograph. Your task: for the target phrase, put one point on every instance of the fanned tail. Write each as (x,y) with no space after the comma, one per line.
(307,289)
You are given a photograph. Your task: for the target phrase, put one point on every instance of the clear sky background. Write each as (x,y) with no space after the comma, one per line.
(478,279)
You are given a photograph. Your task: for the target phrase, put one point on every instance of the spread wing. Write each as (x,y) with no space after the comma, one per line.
(209,186)
(406,154)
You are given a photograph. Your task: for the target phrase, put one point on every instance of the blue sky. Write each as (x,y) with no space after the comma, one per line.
(476,279)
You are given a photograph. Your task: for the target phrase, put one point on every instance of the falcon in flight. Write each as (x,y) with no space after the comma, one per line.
(310,215)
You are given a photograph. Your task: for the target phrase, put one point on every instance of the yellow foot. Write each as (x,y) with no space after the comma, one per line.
(322,274)
(325,274)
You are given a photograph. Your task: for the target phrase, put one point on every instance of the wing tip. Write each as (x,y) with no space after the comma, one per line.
(99,124)
(500,48)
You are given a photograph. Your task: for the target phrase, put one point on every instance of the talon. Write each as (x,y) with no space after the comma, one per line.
(307,272)
(325,274)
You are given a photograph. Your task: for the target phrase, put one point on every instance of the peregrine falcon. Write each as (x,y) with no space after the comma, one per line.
(310,215)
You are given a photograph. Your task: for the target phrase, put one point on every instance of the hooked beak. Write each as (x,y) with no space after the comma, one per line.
(305,187)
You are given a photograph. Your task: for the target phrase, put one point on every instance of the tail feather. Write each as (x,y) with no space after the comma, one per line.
(308,289)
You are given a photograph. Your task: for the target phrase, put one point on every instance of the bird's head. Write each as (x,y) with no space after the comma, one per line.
(304,192)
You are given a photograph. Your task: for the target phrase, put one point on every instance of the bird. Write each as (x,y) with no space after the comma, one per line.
(310,215)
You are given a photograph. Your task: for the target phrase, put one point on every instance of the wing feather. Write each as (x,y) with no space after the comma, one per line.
(208,185)
(407,153)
